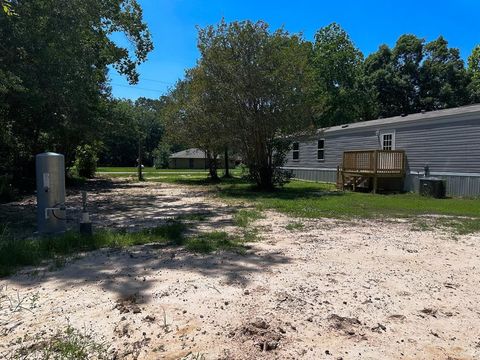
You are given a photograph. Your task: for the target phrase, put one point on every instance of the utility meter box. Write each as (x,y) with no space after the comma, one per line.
(50,176)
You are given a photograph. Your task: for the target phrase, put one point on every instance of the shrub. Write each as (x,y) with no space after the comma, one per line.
(86,160)
(7,192)
(160,156)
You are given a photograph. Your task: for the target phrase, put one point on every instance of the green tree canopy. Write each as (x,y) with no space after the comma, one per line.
(250,88)
(54,62)
(474,73)
(193,119)
(340,93)
(444,78)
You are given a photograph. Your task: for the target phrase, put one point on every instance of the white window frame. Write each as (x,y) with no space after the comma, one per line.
(382,139)
(296,151)
(321,149)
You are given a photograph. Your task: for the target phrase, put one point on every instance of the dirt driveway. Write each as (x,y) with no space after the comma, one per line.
(330,290)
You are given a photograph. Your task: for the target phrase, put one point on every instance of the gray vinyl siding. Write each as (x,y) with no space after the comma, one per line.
(334,146)
(446,147)
(450,148)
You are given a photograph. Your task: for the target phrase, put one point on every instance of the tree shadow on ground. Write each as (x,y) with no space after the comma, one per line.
(131,270)
(146,270)
(117,204)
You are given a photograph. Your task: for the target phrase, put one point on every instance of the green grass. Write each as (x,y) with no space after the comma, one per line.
(22,252)
(465,226)
(67,344)
(314,200)
(200,216)
(294,226)
(163,175)
(112,169)
(18,252)
(215,240)
(244,217)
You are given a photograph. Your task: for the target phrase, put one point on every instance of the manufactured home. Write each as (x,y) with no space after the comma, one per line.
(395,152)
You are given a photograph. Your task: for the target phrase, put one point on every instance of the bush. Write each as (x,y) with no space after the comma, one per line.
(160,156)
(269,173)
(86,160)
(7,192)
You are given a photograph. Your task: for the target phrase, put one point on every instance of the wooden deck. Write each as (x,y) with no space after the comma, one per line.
(359,166)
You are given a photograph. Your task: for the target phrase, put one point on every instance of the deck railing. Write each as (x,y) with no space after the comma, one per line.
(374,162)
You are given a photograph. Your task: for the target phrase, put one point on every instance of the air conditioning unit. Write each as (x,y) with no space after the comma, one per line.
(432,187)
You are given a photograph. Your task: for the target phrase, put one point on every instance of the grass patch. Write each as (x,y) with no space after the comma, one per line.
(213,241)
(244,217)
(114,169)
(15,253)
(194,217)
(188,176)
(464,226)
(314,200)
(294,226)
(421,225)
(317,200)
(67,344)
(23,252)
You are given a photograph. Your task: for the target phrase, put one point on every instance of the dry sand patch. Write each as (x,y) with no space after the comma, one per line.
(331,290)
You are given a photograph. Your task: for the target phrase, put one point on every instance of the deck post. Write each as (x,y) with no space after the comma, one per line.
(375,180)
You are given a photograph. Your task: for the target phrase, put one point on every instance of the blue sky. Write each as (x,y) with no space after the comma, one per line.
(369,23)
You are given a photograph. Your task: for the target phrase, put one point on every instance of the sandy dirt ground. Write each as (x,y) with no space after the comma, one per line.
(331,290)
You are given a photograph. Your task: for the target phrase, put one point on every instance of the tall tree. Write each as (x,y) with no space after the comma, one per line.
(60,50)
(258,84)
(340,93)
(380,78)
(444,78)
(191,119)
(126,125)
(474,73)
(394,76)
(407,57)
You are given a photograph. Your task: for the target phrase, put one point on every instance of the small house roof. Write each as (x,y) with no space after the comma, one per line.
(192,153)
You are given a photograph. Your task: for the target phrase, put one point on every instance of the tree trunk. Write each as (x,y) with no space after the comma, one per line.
(212,166)
(227,167)
(140,174)
(265,178)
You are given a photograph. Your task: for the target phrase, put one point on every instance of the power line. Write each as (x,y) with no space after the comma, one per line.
(138,88)
(158,81)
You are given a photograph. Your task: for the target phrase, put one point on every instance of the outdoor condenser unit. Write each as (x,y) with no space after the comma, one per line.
(50,176)
(432,187)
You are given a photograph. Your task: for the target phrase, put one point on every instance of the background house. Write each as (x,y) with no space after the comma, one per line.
(194,159)
(448,141)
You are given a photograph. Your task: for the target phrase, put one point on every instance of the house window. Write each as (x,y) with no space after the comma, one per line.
(190,163)
(321,149)
(388,141)
(296,151)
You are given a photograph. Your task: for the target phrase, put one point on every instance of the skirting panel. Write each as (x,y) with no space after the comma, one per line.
(322,175)
(463,186)
(457,185)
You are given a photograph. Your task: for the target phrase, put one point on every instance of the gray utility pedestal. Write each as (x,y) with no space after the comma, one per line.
(50,175)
